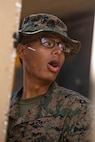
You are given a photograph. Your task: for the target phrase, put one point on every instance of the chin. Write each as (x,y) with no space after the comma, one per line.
(51,78)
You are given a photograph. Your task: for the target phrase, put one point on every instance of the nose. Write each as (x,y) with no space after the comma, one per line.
(57,50)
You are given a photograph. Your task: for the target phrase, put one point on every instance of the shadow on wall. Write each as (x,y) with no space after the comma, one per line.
(75,72)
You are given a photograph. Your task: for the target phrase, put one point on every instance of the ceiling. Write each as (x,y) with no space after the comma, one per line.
(60,8)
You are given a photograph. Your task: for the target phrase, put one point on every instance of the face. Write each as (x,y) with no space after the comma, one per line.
(40,62)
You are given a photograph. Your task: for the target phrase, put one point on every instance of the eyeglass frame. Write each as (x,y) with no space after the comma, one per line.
(67,50)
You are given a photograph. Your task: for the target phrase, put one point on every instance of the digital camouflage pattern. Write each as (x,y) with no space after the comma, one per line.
(61,116)
(48,23)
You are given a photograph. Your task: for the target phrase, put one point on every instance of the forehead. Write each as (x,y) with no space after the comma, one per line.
(50,34)
(42,34)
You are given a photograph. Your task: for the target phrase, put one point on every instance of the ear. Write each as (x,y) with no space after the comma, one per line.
(21,50)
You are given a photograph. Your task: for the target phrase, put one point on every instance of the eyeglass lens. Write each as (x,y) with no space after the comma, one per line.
(50,43)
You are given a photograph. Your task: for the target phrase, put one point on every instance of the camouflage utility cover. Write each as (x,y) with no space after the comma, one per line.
(43,22)
(61,116)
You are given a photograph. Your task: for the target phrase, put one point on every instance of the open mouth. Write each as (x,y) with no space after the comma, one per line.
(53,66)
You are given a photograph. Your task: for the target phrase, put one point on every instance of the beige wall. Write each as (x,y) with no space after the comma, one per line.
(9,22)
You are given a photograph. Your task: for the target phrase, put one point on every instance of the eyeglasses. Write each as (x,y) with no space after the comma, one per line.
(50,43)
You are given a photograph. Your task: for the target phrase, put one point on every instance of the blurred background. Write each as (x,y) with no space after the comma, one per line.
(78,15)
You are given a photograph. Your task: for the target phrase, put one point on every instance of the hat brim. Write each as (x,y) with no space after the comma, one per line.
(73,44)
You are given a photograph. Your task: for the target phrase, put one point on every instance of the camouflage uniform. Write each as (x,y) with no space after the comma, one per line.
(62,116)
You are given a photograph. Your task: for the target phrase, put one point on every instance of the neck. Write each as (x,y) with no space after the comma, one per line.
(33,88)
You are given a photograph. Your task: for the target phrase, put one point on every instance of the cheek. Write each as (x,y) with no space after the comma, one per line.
(35,61)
